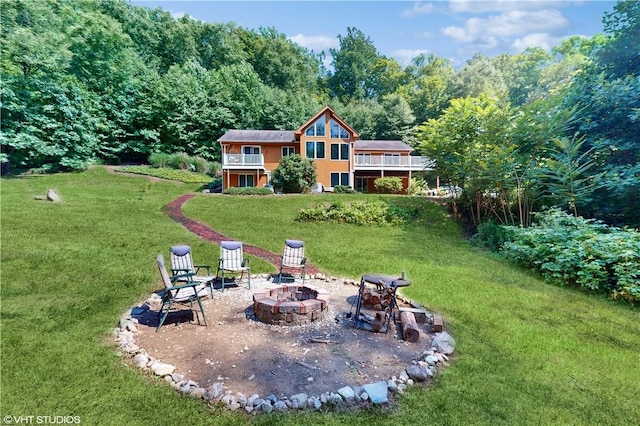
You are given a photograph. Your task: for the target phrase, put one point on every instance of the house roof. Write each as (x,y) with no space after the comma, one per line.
(382,146)
(339,120)
(258,136)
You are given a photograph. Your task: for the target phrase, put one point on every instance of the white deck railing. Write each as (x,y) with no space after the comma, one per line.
(241,160)
(388,162)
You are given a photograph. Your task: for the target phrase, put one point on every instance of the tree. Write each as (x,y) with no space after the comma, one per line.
(354,65)
(294,174)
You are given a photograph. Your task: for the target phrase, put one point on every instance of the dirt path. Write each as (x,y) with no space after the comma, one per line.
(174,211)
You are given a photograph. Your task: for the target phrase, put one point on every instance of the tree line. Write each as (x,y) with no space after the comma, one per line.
(105,81)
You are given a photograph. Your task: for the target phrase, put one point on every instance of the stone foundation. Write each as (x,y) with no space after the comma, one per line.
(291,305)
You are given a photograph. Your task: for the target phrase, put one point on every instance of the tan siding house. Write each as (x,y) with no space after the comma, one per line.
(249,156)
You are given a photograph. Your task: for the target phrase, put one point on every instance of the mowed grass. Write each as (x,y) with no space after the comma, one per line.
(528,352)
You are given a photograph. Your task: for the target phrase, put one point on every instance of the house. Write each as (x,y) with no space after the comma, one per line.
(249,156)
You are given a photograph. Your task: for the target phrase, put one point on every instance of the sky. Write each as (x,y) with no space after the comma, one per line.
(455,29)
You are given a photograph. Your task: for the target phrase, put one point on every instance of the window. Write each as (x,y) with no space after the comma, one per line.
(245,181)
(339,151)
(251,155)
(362,184)
(337,131)
(317,128)
(288,150)
(339,179)
(315,149)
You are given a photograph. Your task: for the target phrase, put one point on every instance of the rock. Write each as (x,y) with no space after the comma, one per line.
(392,385)
(280,406)
(444,343)
(254,400)
(272,398)
(335,398)
(364,396)
(403,377)
(140,360)
(162,369)
(314,403)
(377,392)
(215,392)
(431,359)
(198,393)
(266,406)
(417,373)
(346,393)
(53,196)
(299,400)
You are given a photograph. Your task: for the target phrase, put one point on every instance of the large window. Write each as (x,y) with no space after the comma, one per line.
(315,149)
(288,150)
(339,179)
(246,180)
(337,131)
(317,128)
(339,151)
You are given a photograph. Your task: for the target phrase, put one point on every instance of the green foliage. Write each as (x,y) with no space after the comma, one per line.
(576,251)
(418,186)
(388,185)
(343,189)
(491,236)
(183,161)
(294,174)
(248,191)
(179,175)
(359,213)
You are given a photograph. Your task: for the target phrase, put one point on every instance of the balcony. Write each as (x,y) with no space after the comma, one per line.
(243,161)
(392,162)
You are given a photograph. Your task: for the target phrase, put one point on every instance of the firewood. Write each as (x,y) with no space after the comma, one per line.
(410,331)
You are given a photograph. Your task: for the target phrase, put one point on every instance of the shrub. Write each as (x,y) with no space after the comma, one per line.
(418,186)
(159,159)
(294,174)
(388,185)
(180,160)
(491,236)
(248,191)
(357,213)
(343,189)
(573,250)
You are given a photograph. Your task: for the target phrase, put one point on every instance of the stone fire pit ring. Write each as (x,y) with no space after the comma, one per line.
(291,304)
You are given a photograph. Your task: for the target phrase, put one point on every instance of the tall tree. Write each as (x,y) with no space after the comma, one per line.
(354,67)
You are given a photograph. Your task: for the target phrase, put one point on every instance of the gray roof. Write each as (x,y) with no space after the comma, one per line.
(262,136)
(382,145)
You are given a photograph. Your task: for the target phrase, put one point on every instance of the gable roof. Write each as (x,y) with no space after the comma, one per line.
(258,136)
(382,146)
(339,120)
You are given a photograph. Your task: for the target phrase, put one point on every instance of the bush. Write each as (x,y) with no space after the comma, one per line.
(294,174)
(182,161)
(343,189)
(247,190)
(357,213)
(491,236)
(159,159)
(576,251)
(418,186)
(388,185)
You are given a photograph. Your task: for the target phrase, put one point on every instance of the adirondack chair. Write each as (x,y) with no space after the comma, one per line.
(182,262)
(182,294)
(232,261)
(293,258)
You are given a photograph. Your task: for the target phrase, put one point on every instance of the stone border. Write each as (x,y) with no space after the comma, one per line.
(421,370)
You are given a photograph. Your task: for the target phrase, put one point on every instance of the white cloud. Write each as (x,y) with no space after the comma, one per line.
(404,56)
(545,41)
(482,6)
(316,43)
(177,15)
(502,29)
(418,8)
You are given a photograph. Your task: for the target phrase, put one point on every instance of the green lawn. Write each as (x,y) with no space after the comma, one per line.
(528,352)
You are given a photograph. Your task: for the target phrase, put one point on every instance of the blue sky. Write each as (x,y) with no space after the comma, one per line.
(403,29)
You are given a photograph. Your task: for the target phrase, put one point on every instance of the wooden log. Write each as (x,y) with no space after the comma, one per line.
(419,313)
(410,331)
(375,299)
(437,323)
(377,324)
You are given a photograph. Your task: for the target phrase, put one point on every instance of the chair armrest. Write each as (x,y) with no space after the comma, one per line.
(183,270)
(185,275)
(205,267)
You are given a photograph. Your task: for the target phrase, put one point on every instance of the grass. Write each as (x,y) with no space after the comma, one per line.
(528,352)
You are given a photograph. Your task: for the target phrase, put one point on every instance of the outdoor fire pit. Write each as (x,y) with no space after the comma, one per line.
(291,304)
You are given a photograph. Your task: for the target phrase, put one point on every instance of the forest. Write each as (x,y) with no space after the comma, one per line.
(90,82)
